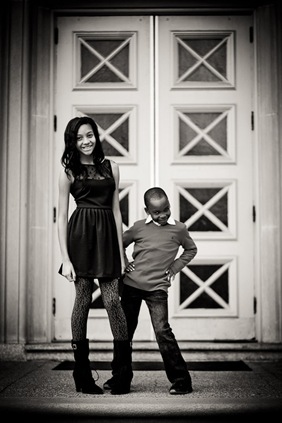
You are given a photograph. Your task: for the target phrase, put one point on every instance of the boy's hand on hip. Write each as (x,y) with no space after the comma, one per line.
(170,275)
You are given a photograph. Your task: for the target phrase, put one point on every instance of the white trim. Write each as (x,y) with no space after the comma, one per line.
(157,146)
(269,183)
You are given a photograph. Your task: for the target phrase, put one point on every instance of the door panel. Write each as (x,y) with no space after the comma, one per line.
(172,98)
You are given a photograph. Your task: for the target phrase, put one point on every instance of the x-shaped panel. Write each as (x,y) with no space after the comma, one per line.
(208,208)
(203,59)
(207,284)
(204,134)
(105,60)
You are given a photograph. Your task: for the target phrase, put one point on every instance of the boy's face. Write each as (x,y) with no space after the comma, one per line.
(159,210)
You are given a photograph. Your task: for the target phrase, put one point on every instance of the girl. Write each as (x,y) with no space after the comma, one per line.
(91,246)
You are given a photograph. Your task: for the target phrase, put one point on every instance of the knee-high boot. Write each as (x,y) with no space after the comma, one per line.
(82,374)
(122,374)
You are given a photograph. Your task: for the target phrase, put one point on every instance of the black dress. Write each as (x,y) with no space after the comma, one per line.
(92,235)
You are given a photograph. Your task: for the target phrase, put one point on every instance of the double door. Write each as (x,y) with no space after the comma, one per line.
(172,97)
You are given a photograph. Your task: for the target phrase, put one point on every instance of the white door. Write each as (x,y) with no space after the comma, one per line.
(173,103)
(204,157)
(102,71)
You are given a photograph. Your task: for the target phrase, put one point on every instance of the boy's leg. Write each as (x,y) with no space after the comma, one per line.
(131,302)
(175,365)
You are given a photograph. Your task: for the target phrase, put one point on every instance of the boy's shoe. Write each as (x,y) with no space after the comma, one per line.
(180,387)
(109,384)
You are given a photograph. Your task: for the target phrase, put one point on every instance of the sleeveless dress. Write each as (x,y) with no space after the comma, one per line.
(92,235)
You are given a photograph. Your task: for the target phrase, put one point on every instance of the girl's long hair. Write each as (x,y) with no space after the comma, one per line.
(71,157)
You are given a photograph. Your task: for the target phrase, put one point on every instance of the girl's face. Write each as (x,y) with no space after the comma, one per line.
(85,141)
(159,209)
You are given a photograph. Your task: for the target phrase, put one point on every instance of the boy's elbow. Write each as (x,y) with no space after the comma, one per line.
(194,251)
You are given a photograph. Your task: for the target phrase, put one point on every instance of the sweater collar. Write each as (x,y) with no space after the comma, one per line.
(149,219)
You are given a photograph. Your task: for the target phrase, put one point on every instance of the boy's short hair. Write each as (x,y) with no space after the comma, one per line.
(155,193)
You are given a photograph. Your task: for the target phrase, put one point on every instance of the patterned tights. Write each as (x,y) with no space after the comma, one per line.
(111,300)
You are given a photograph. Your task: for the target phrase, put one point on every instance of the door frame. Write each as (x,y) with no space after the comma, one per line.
(263,181)
(29,288)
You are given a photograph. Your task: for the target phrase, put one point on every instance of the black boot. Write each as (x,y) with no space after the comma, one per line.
(82,374)
(123,373)
(114,365)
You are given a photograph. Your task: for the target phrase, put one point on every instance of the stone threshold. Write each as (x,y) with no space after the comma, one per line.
(146,350)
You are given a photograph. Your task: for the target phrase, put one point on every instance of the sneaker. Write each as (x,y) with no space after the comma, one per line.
(180,387)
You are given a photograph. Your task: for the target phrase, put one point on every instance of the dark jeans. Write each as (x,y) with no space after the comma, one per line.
(175,366)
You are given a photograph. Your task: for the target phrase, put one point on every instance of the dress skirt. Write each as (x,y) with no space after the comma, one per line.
(93,243)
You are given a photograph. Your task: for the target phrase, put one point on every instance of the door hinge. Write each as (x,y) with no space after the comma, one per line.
(251,34)
(254,214)
(55,123)
(54,306)
(252,121)
(255,305)
(56,35)
(54,214)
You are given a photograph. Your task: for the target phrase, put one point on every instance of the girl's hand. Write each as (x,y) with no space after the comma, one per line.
(130,267)
(170,275)
(68,271)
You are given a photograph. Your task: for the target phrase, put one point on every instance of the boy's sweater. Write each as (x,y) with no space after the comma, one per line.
(155,249)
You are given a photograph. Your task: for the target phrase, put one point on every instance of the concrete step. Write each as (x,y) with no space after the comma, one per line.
(142,351)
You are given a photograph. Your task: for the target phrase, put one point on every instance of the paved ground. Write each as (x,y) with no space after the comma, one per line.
(34,390)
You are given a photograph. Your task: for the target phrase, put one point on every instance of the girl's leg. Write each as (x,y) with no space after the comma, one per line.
(82,303)
(121,364)
(80,344)
(112,304)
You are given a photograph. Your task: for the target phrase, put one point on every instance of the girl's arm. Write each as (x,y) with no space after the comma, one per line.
(117,213)
(63,209)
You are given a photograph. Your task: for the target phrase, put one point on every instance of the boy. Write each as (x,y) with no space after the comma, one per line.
(157,240)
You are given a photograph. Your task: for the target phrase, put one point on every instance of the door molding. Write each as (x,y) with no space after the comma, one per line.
(268,127)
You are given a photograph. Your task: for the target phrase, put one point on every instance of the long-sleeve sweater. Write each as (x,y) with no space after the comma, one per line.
(155,250)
